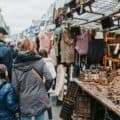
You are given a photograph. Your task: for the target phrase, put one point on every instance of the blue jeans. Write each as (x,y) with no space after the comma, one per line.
(41,117)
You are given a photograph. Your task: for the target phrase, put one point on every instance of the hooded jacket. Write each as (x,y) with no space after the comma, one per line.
(30,90)
(6,57)
(8,104)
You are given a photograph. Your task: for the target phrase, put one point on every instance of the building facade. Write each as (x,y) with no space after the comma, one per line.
(2,22)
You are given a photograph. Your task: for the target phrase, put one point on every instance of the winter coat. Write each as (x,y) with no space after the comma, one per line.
(8,104)
(31,90)
(14,52)
(6,57)
(51,67)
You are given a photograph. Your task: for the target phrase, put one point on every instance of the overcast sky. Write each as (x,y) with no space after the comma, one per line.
(19,14)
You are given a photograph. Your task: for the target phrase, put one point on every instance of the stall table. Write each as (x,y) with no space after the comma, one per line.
(100,93)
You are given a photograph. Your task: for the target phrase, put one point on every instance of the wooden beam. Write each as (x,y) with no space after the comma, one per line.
(100,18)
(95,13)
(80,19)
(78,6)
(112,29)
(116,16)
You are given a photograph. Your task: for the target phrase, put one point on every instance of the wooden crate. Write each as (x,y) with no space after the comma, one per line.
(72,90)
(69,101)
(67,111)
(82,108)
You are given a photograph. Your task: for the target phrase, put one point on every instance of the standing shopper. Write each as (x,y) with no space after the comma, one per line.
(28,70)
(8,104)
(49,62)
(51,67)
(5,52)
(37,41)
(13,48)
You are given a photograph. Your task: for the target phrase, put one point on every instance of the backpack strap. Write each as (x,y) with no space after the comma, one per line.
(37,74)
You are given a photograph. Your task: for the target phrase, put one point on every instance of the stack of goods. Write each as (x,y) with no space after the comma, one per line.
(69,101)
(89,75)
(82,107)
(112,75)
(114,89)
(82,76)
(95,75)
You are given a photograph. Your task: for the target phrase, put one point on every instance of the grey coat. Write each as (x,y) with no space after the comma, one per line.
(30,90)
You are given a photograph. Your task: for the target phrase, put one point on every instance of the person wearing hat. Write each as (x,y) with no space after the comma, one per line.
(5,52)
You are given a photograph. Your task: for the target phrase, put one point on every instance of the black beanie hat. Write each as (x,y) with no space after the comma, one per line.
(3,31)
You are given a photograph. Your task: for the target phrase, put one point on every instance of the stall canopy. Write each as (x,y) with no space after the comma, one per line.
(99,10)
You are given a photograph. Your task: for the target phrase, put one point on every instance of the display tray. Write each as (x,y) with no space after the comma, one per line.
(100,93)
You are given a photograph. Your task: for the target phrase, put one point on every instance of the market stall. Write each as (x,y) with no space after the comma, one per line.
(87,47)
(101,91)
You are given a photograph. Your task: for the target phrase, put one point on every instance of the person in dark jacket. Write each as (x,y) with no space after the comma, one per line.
(5,52)
(13,48)
(8,104)
(37,41)
(32,91)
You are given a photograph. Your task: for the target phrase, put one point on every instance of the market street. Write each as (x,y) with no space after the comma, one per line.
(59,59)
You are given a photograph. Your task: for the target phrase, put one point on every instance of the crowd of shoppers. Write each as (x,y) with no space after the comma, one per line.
(30,76)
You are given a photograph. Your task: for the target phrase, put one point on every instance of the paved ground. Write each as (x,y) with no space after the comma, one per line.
(55,109)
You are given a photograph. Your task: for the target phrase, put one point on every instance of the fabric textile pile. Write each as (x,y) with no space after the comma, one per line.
(114,89)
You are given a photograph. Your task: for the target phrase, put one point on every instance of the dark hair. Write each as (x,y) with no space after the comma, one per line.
(37,41)
(3,31)
(43,53)
(3,70)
